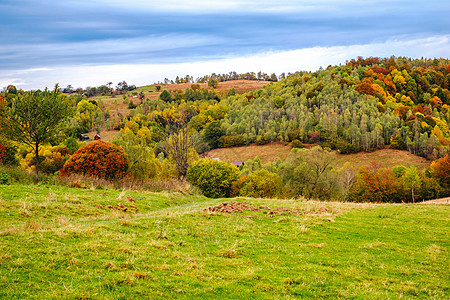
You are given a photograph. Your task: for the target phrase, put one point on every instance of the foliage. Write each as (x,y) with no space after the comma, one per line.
(214,178)
(212,82)
(412,180)
(308,173)
(213,132)
(297,144)
(375,185)
(262,184)
(142,161)
(4,178)
(179,146)
(362,106)
(8,151)
(34,118)
(98,159)
(165,96)
(51,158)
(440,170)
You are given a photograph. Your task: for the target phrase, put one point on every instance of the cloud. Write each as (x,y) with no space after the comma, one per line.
(308,59)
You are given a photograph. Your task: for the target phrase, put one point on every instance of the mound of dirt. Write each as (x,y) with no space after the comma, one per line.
(240,207)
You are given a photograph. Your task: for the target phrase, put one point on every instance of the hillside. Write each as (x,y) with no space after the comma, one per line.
(270,152)
(115,105)
(66,243)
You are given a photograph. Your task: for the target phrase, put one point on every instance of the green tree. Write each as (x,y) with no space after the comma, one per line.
(412,180)
(262,184)
(214,178)
(165,96)
(213,83)
(212,133)
(34,118)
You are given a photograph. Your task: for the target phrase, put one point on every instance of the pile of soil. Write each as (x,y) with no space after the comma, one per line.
(240,207)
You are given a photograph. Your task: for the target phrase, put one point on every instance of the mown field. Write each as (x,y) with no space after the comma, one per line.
(67,243)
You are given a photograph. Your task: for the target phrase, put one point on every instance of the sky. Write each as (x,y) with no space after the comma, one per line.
(89,43)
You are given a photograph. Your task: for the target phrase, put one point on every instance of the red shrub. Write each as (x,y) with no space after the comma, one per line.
(98,159)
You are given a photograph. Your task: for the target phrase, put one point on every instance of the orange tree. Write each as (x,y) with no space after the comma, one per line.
(98,159)
(440,169)
(376,185)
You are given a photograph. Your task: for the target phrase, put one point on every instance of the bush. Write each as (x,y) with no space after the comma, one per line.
(4,178)
(297,144)
(262,184)
(100,159)
(213,178)
(51,159)
(228,141)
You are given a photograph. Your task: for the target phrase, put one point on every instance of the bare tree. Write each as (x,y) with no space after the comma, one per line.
(179,146)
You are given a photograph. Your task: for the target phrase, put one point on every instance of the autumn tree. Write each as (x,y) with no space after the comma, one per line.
(179,146)
(34,118)
(440,169)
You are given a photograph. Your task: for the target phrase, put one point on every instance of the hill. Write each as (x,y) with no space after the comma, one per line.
(270,152)
(66,243)
(117,106)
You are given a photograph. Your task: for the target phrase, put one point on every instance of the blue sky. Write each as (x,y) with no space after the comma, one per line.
(89,43)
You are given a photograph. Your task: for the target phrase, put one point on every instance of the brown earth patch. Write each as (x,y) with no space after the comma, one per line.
(241,207)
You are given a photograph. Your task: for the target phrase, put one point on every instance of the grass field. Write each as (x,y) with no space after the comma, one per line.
(270,152)
(67,243)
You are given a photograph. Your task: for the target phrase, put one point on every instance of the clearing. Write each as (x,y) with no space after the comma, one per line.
(270,152)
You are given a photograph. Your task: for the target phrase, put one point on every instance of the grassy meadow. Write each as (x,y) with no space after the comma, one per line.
(68,243)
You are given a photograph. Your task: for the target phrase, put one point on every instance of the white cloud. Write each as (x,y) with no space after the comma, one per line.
(309,59)
(235,6)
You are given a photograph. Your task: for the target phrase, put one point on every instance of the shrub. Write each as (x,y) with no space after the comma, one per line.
(51,158)
(213,178)
(4,178)
(100,159)
(297,144)
(262,184)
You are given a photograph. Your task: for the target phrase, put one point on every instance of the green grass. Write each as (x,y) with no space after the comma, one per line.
(57,243)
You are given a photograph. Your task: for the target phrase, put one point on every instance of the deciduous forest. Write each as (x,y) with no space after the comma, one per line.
(362,105)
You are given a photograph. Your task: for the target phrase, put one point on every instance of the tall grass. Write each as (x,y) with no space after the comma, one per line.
(18,175)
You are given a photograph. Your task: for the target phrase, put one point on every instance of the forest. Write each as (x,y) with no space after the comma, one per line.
(363,105)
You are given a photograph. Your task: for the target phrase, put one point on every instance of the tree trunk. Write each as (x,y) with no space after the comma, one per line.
(412,194)
(36,152)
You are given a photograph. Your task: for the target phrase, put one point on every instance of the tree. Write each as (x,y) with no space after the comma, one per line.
(213,83)
(412,180)
(262,184)
(34,118)
(165,96)
(213,132)
(214,178)
(440,169)
(179,146)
